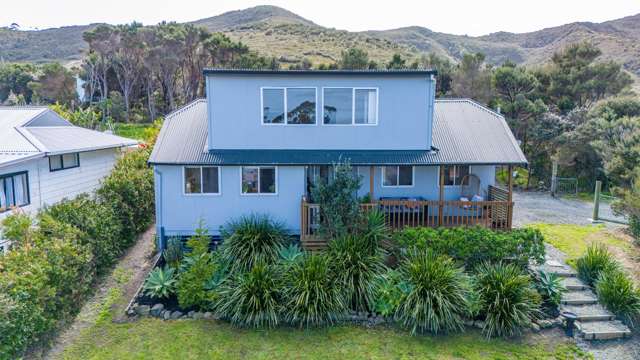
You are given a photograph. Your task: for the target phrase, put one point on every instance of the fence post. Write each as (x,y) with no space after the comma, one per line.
(554,179)
(596,201)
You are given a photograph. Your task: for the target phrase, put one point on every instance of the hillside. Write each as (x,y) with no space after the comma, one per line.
(278,32)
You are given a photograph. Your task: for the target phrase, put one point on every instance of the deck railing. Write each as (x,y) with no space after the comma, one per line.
(398,214)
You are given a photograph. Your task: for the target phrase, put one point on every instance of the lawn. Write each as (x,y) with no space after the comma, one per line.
(132,131)
(210,339)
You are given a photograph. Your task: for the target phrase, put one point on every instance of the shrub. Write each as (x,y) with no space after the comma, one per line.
(356,265)
(193,278)
(252,239)
(593,262)
(173,253)
(16,227)
(617,293)
(373,231)
(549,286)
(436,296)
(507,299)
(20,321)
(251,298)
(160,283)
(389,291)
(311,295)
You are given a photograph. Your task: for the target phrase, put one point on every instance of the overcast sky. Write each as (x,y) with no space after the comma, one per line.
(471,17)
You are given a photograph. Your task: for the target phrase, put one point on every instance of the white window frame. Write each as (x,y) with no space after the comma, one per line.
(242,193)
(454,184)
(284,90)
(353,105)
(382,176)
(184,181)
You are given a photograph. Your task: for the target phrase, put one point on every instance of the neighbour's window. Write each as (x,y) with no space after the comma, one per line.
(397,176)
(350,106)
(14,190)
(456,175)
(64,161)
(201,180)
(259,180)
(300,105)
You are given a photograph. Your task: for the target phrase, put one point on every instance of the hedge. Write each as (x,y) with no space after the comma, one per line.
(57,255)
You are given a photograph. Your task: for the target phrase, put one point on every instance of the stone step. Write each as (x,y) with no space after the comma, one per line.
(594,312)
(574,284)
(556,268)
(584,297)
(603,330)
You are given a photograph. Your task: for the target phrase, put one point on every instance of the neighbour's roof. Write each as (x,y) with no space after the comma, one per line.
(464,133)
(31,131)
(288,72)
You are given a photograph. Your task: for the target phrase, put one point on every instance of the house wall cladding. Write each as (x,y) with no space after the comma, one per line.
(179,214)
(404,114)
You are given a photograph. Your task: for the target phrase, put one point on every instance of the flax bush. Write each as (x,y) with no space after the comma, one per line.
(596,260)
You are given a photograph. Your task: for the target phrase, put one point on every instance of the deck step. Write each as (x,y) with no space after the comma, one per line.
(583,297)
(585,313)
(574,284)
(603,330)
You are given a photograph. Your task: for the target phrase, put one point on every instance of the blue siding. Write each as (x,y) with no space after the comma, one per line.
(405,113)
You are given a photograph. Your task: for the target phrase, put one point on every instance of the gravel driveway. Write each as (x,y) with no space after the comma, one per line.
(539,207)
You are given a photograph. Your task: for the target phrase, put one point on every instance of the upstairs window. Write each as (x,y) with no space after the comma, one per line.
(456,175)
(14,190)
(201,180)
(259,180)
(64,161)
(350,106)
(394,176)
(299,103)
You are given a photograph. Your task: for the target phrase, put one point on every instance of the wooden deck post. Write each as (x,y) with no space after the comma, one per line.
(510,198)
(371,175)
(441,201)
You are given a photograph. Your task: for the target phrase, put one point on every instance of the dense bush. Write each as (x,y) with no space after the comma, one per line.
(473,246)
(53,263)
(356,265)
(506,298)
(312,297)
(593,262)
(435,296)
(251,298)
(617,293)
(196,270)
(252,239)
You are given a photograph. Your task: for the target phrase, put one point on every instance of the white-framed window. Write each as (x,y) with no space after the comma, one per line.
(288,105)
(455,175)
(201,180)
(14,190)
(64,161)
(349,106)
(259,180)
(397,176)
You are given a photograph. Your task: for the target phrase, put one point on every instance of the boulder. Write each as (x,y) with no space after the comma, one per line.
(545,324)
(468,323)
(535,327)
(156,310)
(479,324)
(166,315)
(197,315)
(207,315)
(142,310)
(176,315)
(190,314)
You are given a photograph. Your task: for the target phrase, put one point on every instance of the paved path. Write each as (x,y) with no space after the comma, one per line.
(538,207)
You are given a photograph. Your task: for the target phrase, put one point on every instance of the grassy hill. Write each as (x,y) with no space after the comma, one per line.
(278,32)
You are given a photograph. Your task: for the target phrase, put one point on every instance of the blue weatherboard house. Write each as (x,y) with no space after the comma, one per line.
(262,138)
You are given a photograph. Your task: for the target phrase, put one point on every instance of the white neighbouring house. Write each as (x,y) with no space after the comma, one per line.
(44,159)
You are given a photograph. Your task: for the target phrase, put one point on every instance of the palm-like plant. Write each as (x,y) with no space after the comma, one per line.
(507,298)
(436,295)
(374,230)
(617,292)
(161,283)
(356,266)
(311,295)
(251,240)
(596,260)
(251,298)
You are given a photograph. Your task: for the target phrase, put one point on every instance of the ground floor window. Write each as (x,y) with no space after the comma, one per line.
(14,190)
(456,175)
(201,180)
(259,180)
(64,161)
(393,176)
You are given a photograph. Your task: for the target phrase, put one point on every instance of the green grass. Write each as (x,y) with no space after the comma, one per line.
(132,131)
(209,339)
(573,240)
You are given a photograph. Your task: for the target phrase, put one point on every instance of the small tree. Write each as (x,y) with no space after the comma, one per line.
(338,199)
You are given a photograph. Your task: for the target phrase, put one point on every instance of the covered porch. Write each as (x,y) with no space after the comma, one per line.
(493,210)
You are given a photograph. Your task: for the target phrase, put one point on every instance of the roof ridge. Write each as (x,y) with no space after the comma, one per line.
(472,102)
(185,107)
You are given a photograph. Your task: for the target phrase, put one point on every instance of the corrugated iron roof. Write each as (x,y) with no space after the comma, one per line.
(62,139)
(464,133)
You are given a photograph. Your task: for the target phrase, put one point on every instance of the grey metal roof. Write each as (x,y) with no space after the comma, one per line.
(27,132)
(369,72)
(464,133)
